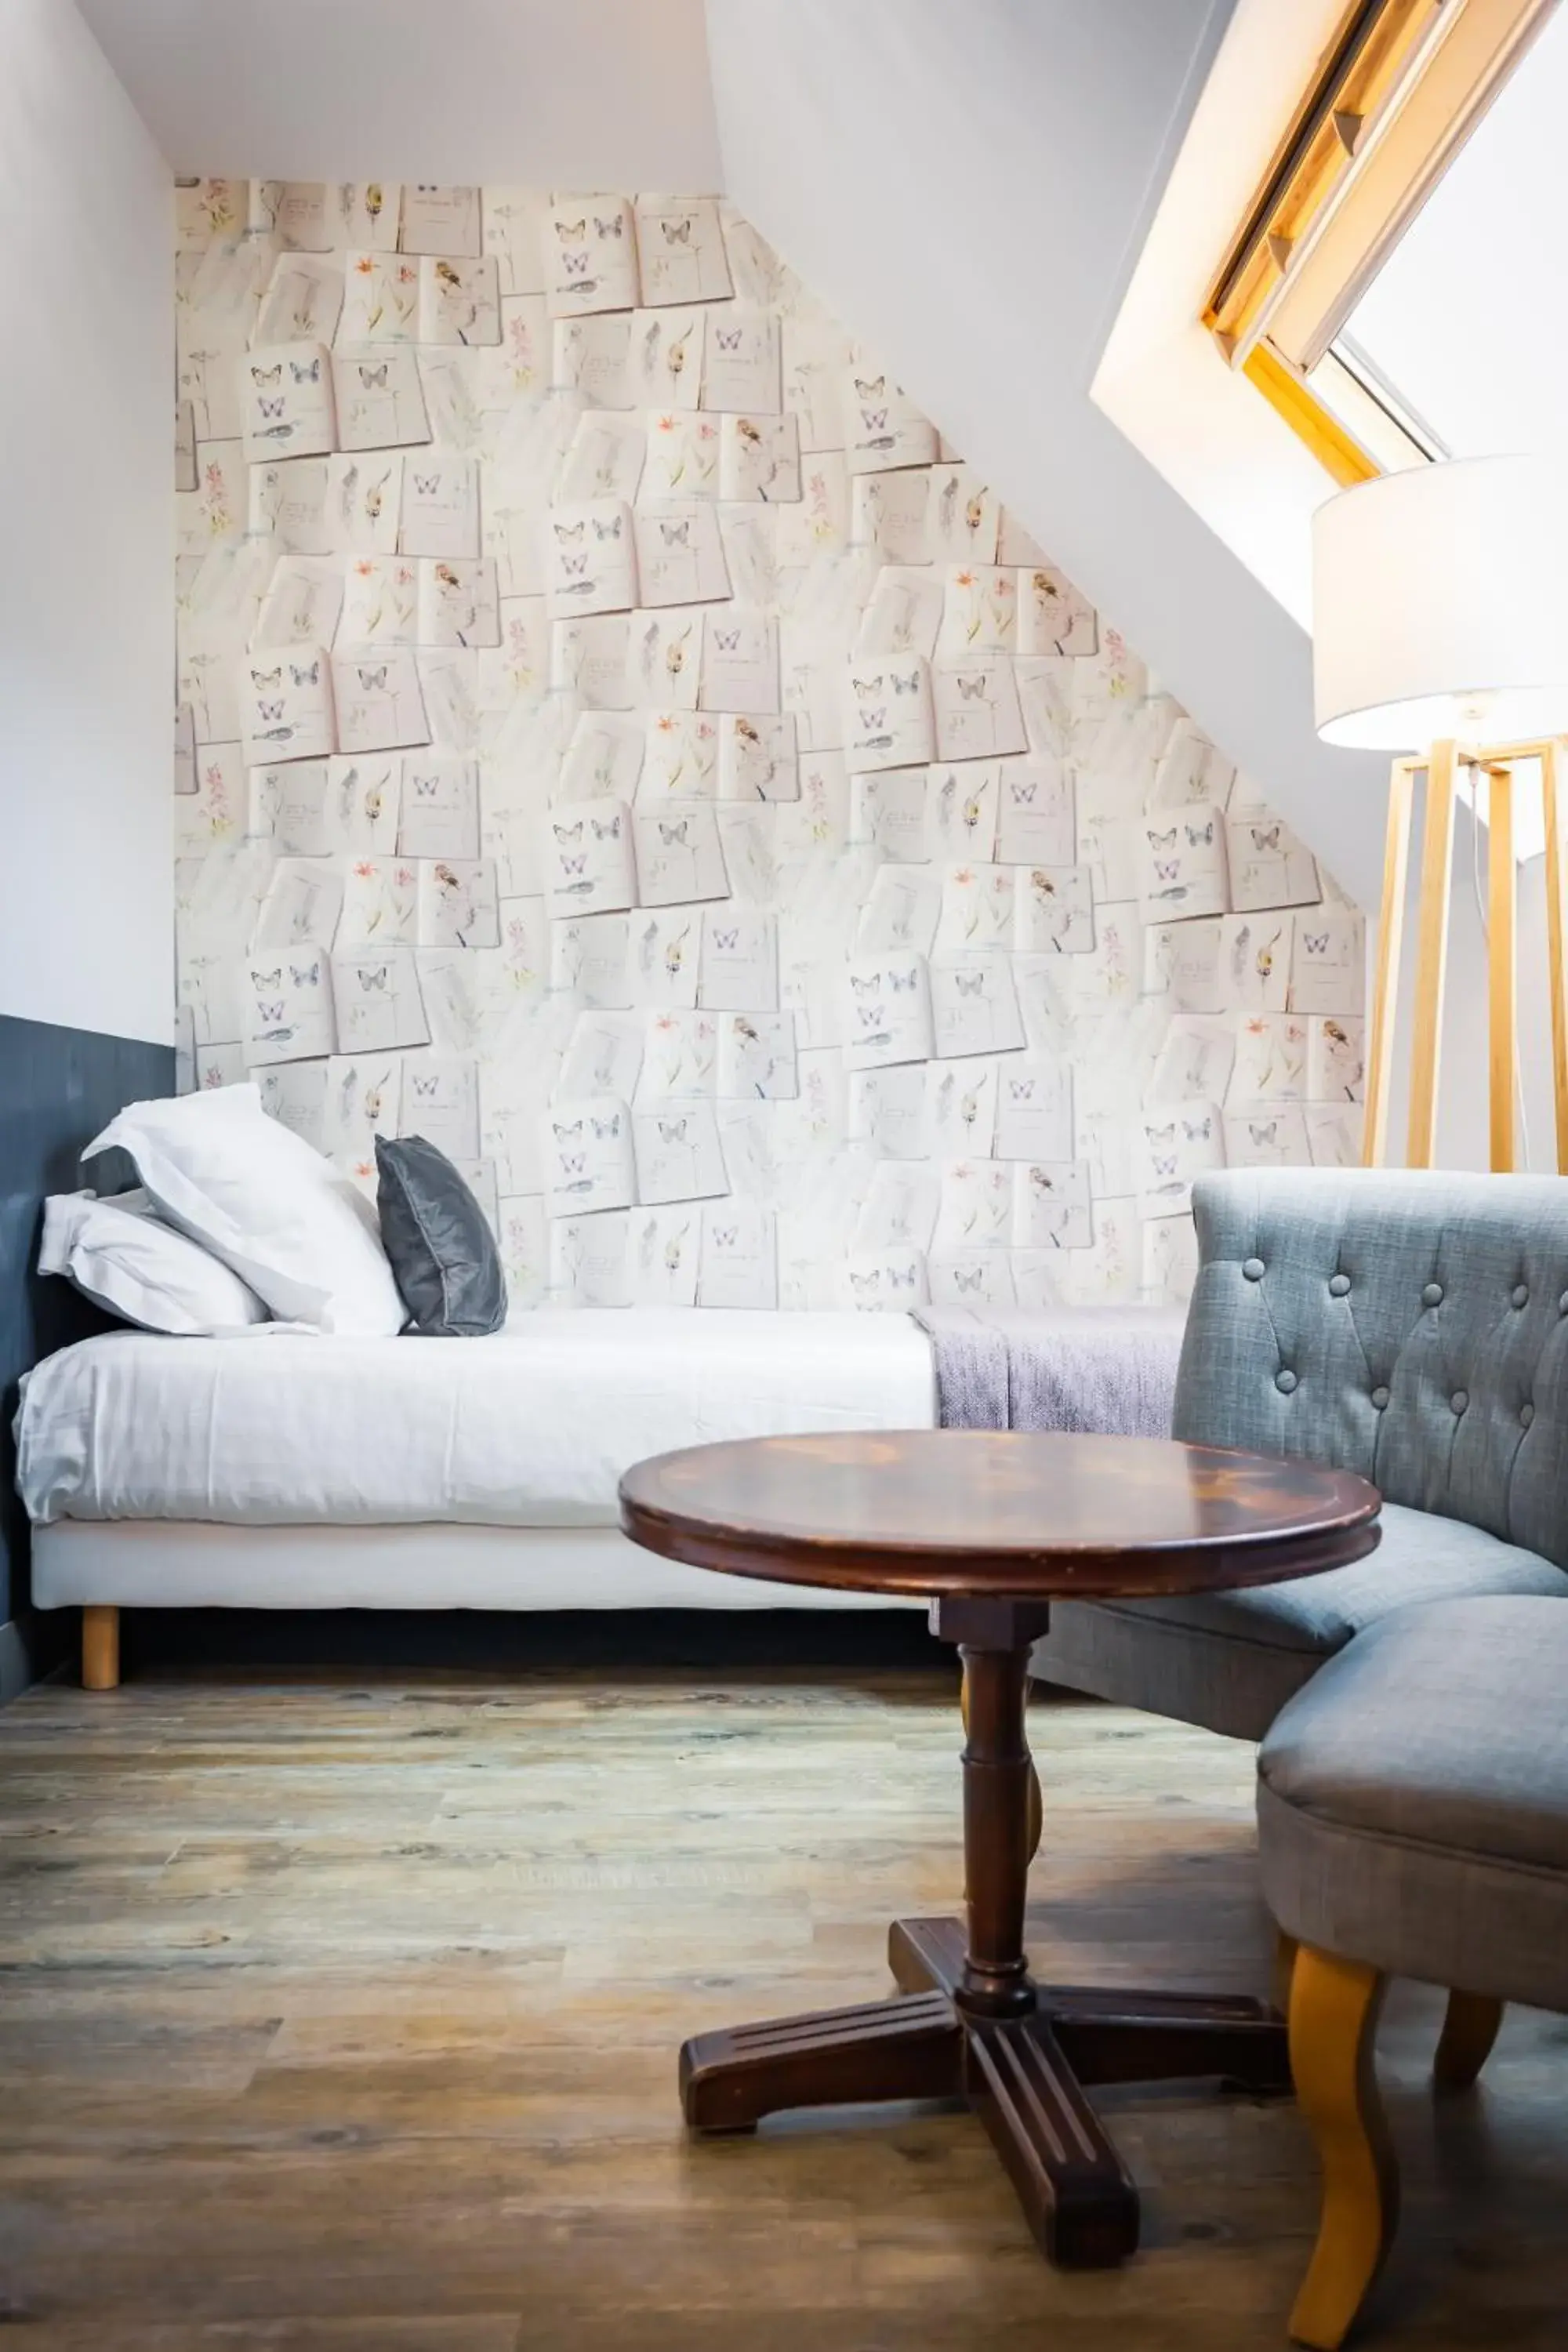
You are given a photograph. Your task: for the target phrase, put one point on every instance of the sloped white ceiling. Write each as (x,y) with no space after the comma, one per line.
(566,92)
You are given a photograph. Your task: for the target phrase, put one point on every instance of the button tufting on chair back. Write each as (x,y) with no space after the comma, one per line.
(1412,1325)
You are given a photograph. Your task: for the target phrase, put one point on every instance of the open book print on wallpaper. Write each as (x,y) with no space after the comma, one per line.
(606,703)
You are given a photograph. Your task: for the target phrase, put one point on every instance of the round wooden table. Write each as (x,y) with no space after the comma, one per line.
(992,1526)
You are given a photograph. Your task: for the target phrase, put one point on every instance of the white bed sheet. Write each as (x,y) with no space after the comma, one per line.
(532,1428)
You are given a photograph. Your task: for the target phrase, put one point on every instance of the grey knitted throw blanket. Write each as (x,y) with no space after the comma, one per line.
(1109,1369)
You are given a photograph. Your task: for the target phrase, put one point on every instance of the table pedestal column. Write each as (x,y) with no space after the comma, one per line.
(970,2022)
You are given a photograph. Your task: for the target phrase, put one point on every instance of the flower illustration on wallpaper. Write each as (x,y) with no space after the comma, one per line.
(214,501)
(217,204)
(524,362)
(211,1075)
(220,817)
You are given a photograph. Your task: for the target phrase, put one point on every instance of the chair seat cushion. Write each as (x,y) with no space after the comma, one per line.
(1413,1799)
(1230,1661)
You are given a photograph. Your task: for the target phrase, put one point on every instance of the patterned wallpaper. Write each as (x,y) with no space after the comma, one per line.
(620,739)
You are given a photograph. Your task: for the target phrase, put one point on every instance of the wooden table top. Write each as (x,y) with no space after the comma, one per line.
(997,1512)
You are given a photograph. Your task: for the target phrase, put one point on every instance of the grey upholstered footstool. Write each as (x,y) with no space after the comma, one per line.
(1413,1820)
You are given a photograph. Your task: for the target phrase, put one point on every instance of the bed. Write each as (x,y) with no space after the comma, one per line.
(283,1470)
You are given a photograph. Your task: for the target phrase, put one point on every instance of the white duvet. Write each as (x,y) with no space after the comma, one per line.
(530,1428)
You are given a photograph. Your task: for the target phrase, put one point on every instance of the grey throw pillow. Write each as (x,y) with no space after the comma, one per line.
(443,1253)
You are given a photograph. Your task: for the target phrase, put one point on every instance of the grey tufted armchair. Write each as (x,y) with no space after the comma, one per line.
(1412,1326)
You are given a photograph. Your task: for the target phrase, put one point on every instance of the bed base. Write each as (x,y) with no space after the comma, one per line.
(105,1565)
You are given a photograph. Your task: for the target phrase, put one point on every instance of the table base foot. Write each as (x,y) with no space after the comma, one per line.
(908,2048)
(1024,2077)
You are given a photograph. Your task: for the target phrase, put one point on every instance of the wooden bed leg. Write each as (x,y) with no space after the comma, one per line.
(99,1649)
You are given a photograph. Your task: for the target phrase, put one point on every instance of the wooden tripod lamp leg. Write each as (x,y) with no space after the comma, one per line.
(1431,956)
(1390,939)
(99,1649)
(1550,777)
(1334,2007)
(1502,969)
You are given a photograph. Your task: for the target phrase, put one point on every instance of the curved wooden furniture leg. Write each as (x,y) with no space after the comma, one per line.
(99,1649)
(1036,1802)
(1334,2007)
(1470,2030)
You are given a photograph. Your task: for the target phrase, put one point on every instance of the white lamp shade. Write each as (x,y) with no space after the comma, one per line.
(1440,607)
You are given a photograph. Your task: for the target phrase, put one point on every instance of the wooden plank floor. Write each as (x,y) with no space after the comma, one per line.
(344,2015)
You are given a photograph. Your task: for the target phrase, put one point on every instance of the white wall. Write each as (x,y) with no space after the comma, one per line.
(86,459)
(570,93)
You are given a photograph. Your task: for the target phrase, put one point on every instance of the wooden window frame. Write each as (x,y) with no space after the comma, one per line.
(1396,93)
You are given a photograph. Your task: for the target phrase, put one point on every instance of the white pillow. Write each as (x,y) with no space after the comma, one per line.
(258,1197)
(121,1256)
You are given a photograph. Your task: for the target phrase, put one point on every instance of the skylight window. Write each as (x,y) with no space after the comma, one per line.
(1465,324)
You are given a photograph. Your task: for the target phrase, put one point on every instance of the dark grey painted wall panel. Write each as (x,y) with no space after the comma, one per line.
(57,1088)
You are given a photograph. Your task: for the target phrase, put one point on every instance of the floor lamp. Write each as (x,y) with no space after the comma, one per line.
(1440,634)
